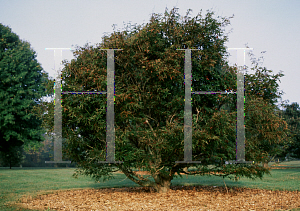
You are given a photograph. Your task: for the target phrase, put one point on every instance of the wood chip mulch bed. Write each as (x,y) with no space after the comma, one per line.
(178,198)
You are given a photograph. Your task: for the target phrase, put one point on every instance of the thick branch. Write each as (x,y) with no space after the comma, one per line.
(141,180)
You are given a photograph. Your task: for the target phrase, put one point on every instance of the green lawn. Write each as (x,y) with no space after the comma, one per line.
(16,182)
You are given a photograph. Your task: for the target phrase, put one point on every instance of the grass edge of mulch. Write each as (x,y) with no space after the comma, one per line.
(45,192)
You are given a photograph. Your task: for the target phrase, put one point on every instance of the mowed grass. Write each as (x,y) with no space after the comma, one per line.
(17,182)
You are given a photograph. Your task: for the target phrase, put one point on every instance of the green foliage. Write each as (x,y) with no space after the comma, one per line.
(291,114)
(36,153)
(12,157)
(149,103)
(22,84)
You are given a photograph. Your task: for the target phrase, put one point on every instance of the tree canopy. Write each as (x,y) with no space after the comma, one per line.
(291,114)
(149,103)
(21,88)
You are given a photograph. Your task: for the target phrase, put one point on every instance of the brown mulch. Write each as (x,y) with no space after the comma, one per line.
(178,198)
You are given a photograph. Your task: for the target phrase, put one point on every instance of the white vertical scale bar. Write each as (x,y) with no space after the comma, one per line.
(240,126)
(110,137)
(188,107)
(57,108)
(240,144)
(110,113)
(188,129)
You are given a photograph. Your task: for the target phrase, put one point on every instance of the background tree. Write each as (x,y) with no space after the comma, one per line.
(37,153)
(149,103)
(21,86)
(291,114)
(12,157)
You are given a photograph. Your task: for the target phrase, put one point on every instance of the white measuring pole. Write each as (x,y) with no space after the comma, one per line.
(57,107)
(110,136)
(240,126)
(240,142)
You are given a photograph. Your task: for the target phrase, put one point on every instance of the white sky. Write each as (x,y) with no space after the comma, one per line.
(271,26)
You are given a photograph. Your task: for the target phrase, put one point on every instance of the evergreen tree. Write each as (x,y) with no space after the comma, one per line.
(291,114)
(22,85)
(12,157)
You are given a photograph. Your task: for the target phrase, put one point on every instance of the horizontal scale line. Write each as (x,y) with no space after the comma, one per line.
(204,92)
(83,92)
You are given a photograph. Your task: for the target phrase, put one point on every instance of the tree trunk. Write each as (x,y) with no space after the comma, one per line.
(162,182)
(185,169)
(265,165)
(162,185)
